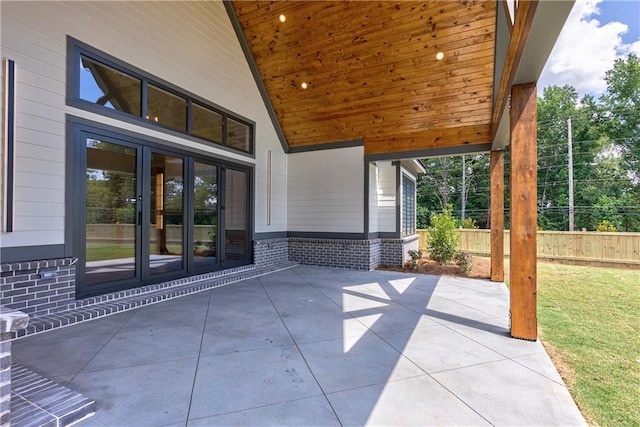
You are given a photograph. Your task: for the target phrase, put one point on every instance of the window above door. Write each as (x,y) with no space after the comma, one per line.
(105,85)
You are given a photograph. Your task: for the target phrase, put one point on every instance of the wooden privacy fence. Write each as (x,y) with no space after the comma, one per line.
(106,233)
(579,247)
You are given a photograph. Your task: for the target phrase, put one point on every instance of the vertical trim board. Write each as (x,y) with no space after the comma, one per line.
(9,137)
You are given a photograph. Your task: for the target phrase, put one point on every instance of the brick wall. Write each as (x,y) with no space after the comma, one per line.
(11,321)
(270,251)
(410,243)
(5,378)
(391,252)
(341,253)
(45,287)
(38,287)
(395,252)
(375,253)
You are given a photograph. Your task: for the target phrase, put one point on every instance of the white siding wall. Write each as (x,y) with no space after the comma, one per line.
(373,197)
(326,191)
(189,44)
(386,197)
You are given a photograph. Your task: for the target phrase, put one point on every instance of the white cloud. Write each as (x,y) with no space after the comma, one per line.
(585,50)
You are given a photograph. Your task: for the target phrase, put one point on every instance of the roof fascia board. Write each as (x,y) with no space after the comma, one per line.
(546,25)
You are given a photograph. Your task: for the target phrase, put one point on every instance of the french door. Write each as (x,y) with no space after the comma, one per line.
(149,215)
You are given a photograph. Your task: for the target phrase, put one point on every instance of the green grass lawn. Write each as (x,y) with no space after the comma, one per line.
(591,317)
(104,251)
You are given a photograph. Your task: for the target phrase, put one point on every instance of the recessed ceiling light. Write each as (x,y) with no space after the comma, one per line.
(304,85)
(282,18)
(440,56)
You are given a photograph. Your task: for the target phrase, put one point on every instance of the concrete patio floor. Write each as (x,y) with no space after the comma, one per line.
(310,346)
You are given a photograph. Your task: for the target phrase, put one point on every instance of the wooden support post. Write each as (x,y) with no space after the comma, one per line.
(497,216)
(524,218)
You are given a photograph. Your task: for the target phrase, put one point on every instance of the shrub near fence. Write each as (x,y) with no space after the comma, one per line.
(580,247)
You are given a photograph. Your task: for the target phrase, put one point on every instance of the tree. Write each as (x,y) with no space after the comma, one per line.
(440,177)
(606,161)
(443,237)
(622,106)
(555,108)
(442,185)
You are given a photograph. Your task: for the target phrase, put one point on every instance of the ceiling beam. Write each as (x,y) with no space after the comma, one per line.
(427,140)
(519,34)
(550,17)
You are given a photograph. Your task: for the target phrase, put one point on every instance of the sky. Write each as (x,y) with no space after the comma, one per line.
(596,33)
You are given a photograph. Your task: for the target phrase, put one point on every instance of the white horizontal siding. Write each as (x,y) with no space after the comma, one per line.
(325,191)
(189,44)
(40,223)
(278,220)
(39,194)
(39,153)
(30,237)
(373,197)
(37,180)
(44,168)
(55,209)
(386,197)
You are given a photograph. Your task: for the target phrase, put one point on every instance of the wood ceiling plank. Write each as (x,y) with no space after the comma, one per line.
(428,140)
(376,123)
(410,102)
(432,89)
(319,66)
(274,42)
(384,143)
(371,67)
(329,16)
(456,40)
(389,30)
(414,76)
(393,109)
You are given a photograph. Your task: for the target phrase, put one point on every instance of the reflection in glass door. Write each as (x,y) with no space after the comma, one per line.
(236,219)
(205,215)
(111,210)
(152,214)
(166,210)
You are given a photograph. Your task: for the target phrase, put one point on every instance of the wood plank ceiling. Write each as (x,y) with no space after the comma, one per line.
(372,73)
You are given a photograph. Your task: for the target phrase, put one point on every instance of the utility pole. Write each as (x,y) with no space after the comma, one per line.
(570,138)
(464,186)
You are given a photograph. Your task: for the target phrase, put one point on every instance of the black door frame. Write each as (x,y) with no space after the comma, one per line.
(78,130)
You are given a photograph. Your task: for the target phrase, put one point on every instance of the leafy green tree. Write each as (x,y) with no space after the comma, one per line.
(555,108)
(442,185)
(606,161)
(438,185)
(443,237)
(622,106)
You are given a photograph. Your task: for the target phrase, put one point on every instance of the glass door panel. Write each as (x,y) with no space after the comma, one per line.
(205,215)
(111,211)
(166,214)
(236,219)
